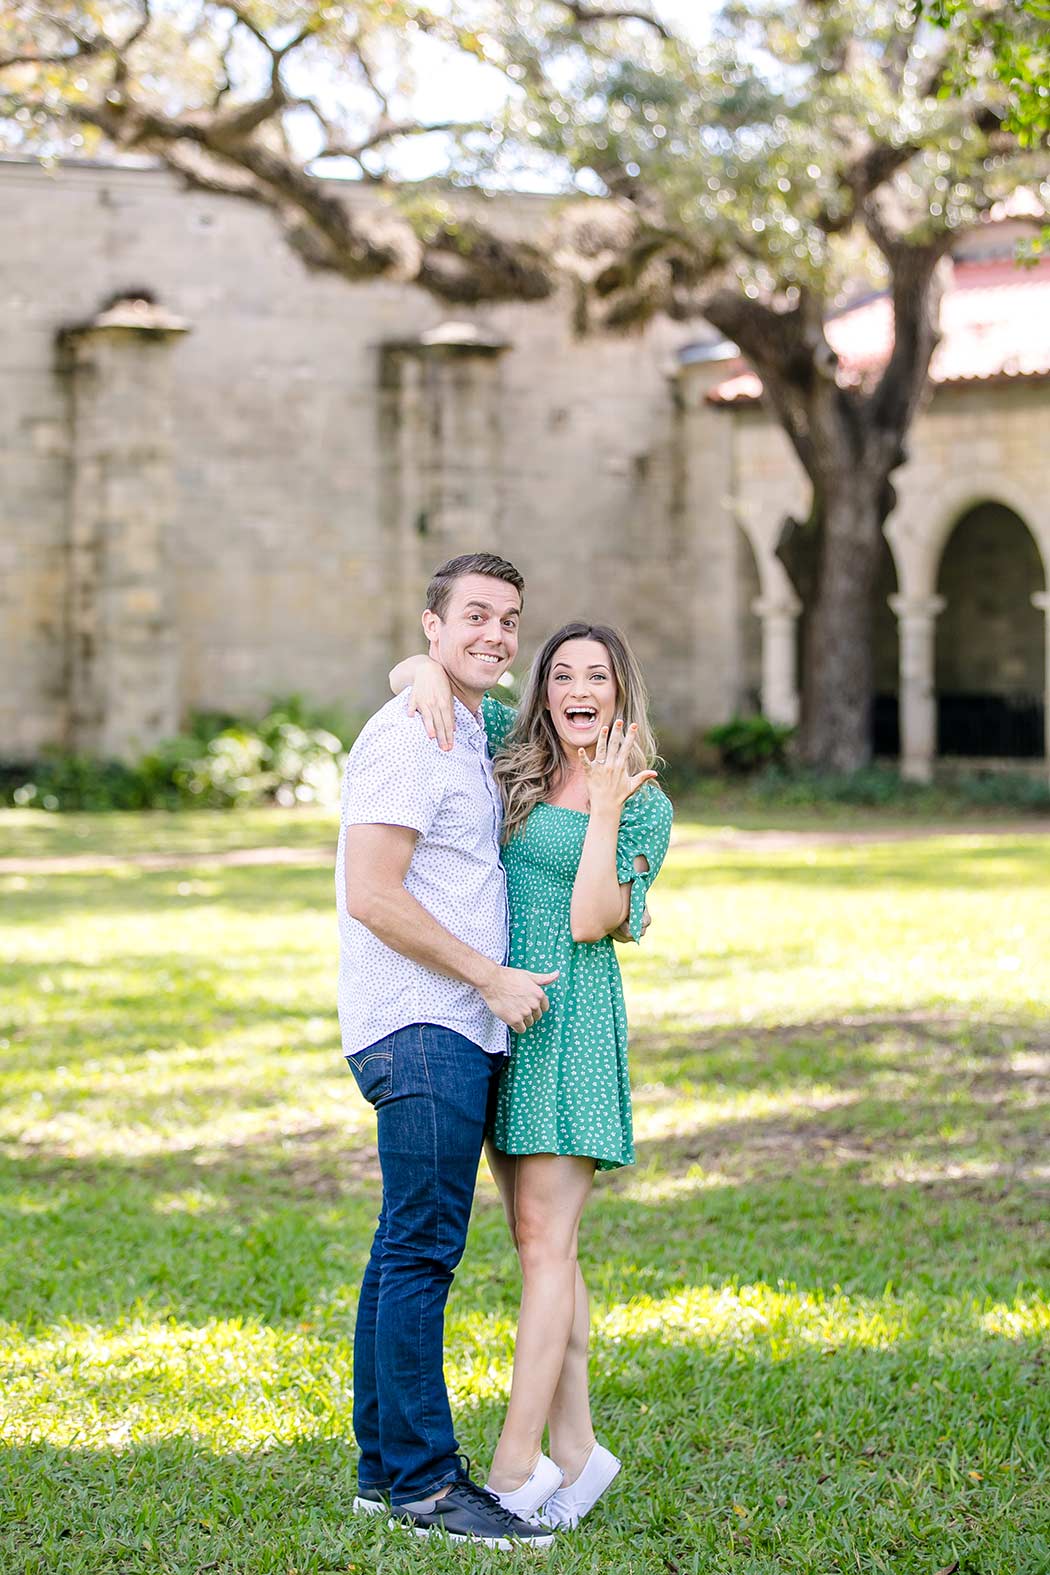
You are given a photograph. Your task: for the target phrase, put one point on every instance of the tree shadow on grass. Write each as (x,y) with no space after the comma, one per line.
(179,1002)
(129,890)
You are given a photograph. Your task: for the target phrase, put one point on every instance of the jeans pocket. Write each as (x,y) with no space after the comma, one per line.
(373,1070)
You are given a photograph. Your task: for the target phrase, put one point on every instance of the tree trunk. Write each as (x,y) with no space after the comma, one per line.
(837,658)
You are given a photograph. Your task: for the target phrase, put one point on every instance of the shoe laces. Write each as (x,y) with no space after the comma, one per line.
(483,1499)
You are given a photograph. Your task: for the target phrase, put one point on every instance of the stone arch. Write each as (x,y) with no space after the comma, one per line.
(776,608)
(919,530)
(990,655)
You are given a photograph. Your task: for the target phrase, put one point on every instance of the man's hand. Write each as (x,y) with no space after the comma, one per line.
(624,932)
(517,997)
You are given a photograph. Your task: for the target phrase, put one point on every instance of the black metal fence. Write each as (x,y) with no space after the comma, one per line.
(977,726)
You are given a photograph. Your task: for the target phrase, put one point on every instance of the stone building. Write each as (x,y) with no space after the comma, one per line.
(223,479)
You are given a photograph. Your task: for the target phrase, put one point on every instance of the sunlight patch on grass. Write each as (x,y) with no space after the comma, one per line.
(775,1323)
(1020,1319)
(230,1384)
(189,1200)
(652,1187)
(909,1170)
(484,1354)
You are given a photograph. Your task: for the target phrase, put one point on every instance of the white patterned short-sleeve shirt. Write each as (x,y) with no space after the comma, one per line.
(397,776)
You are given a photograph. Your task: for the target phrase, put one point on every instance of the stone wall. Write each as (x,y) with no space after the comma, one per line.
(319,471)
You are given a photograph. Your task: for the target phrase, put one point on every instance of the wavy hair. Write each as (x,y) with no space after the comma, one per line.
(532,760)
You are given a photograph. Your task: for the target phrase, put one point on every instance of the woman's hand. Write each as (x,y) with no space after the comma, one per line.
(609,781)
(431,700)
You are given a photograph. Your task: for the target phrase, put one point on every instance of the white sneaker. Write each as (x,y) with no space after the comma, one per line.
(568,1505)
(534,1492)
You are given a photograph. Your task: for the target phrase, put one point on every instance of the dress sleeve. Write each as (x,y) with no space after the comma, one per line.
(645,828)
(498,719)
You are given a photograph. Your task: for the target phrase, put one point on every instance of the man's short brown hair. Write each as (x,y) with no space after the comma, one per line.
(440,588)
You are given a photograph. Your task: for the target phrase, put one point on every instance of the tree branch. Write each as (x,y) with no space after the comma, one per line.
(385,132)
(85,46)
(785,348)
(584,14)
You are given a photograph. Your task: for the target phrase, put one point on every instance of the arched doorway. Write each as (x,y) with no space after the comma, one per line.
(990,662)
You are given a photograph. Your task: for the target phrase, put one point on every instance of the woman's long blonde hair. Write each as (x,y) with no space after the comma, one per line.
(531,761)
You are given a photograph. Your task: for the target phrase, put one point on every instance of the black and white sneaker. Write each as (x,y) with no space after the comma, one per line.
(468,1513)
(371,1501)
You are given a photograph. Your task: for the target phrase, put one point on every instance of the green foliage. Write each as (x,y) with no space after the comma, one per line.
(293,755)
(799,794)
(883,786)
(746,743)
(874,786)
(1014,37)
(1010,40)
(745,151)
(1007,789)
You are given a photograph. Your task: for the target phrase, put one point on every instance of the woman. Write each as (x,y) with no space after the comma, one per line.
(585,831)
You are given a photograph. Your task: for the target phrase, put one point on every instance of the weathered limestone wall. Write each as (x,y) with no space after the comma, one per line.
(296,552)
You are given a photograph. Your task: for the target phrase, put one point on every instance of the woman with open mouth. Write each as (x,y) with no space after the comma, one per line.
(585,831)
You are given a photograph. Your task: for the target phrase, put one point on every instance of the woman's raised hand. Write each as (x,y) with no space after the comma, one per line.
(609,779)
(431,699)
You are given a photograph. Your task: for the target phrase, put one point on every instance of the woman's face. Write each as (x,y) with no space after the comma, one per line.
(581,694)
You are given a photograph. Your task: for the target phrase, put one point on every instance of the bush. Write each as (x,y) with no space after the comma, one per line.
(747,743)
(872,786)
(1010,789)
(293,755)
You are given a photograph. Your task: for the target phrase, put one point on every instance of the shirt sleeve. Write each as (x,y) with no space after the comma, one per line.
(498,719)
(645,829)
(395,778)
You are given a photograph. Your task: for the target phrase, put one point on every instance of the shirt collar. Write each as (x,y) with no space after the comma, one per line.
(472,730)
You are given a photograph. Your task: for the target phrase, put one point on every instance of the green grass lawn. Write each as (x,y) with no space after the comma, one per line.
(821,1312)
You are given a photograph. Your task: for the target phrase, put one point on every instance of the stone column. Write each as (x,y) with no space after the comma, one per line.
(1041,599)
(916,617)
(779,615)
(442,452)
(123,649)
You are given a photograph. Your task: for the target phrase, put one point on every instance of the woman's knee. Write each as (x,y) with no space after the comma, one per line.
(541,1244)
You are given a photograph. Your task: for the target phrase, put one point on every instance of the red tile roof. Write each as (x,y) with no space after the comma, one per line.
(995,323)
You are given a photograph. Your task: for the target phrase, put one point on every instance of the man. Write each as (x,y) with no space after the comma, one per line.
(424,1005)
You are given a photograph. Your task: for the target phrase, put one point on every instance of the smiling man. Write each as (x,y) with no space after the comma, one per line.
(425,1000)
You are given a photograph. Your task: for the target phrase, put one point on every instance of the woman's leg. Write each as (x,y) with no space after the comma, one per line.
(572,1432)
(571,1429)
(550,1191)
(504,1168)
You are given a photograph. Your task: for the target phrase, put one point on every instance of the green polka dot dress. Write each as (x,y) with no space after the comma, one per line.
(566,1089)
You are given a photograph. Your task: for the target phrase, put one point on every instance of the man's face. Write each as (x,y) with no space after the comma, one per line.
(477,639)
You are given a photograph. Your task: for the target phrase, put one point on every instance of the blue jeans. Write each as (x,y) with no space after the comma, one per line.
(433,1092)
